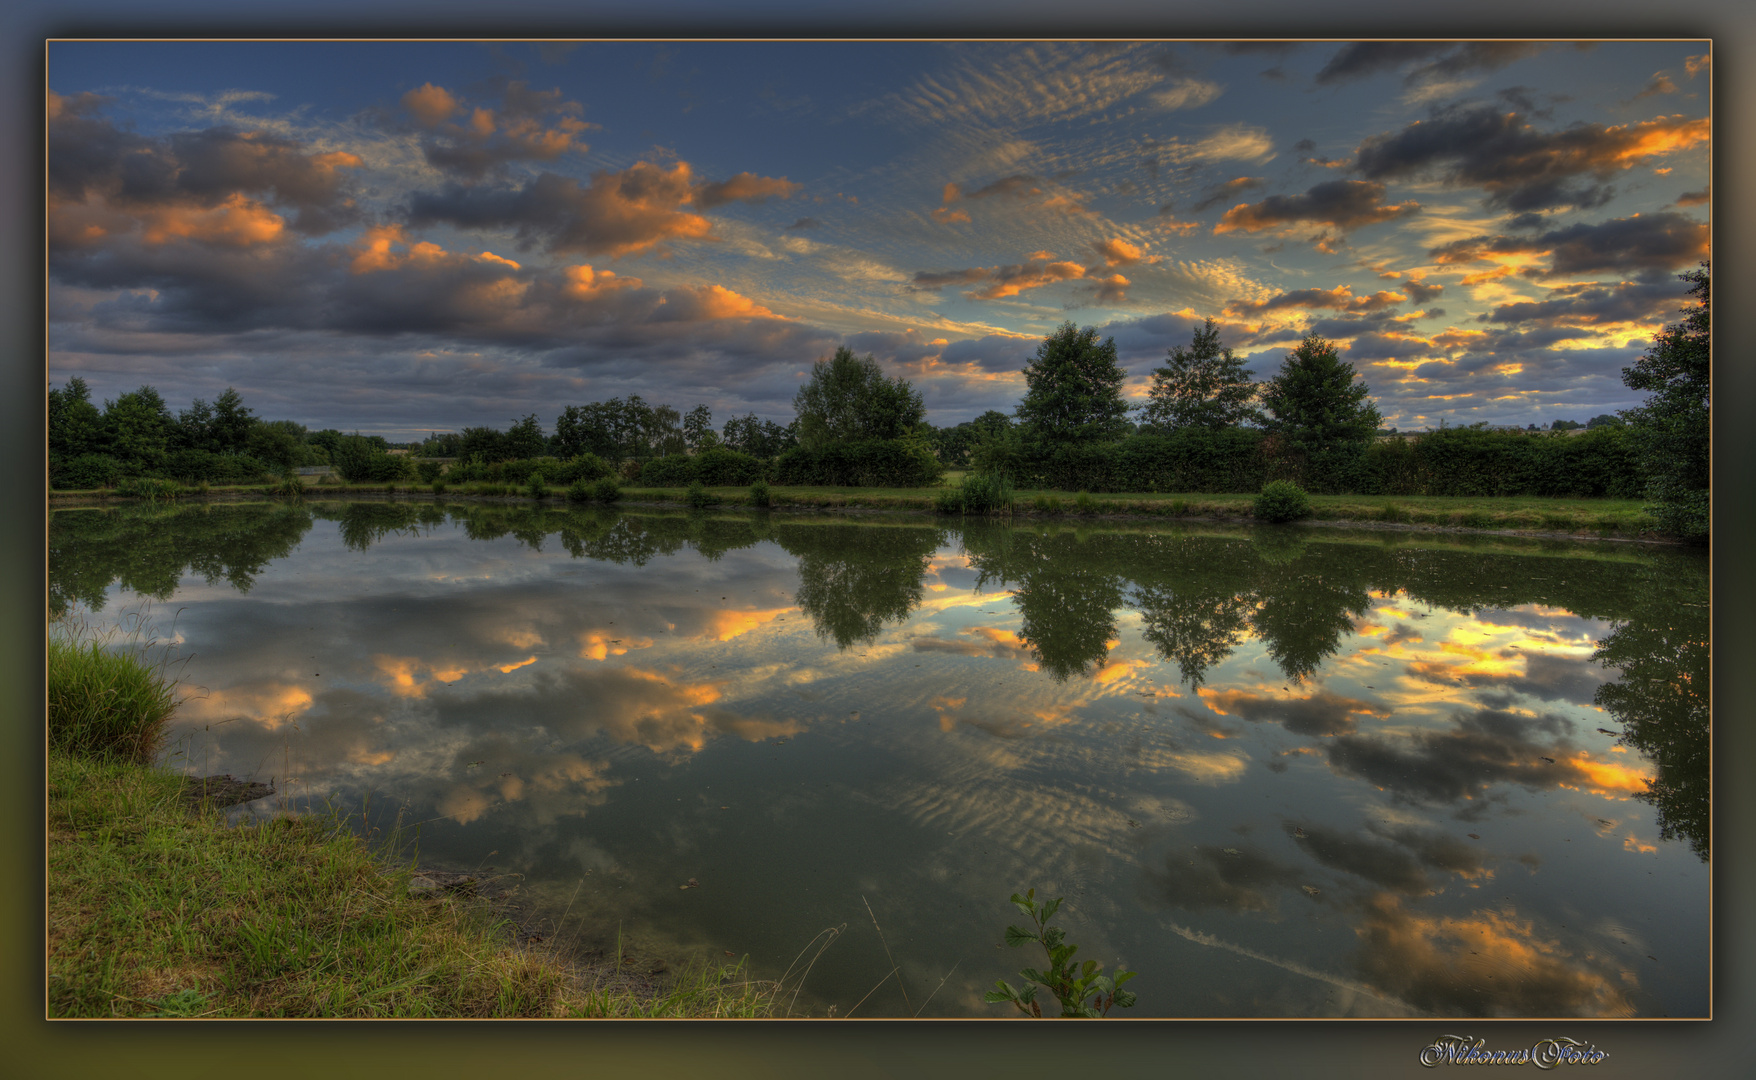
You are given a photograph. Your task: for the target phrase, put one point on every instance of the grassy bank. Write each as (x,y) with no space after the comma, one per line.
(1588,517)
(156,907)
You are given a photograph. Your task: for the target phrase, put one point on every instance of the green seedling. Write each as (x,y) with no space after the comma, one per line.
(1081,989)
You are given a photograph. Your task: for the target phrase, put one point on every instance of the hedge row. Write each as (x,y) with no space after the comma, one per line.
(556,472)
(1455,461)
(871,463)
(88,471)
(718,467)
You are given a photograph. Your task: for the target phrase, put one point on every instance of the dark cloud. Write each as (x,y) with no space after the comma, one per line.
(1003,281)
(1518,166)
(1384,865)
(1345,204)
(163,185)
(1229,189)
(1208,877)
(1592,305)
(1320,715)
(1340,298)
(617,213)
(1363,58)
(1419,291)
(805,223)
(993,353)
(1656,243)
(1481,750)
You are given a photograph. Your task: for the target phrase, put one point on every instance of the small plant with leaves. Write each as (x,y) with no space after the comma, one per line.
(606,490)
(536,488)
(1081,989)
(1282,501)
(759,493)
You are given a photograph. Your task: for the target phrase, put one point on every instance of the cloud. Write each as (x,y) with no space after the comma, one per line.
(1119,252)
(1318,715)
(1229,189)
(1362,58)
(528,125)
(804,223)
(1518,166)
(1340,298)
(1660,83)
(218,175)
(1188,93)
(1644,242)
(1002,281)
(1593,304)
(1344,204)
(616,214)
(1017,188)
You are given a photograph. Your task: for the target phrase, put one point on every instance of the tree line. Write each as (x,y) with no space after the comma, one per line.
(1206,426)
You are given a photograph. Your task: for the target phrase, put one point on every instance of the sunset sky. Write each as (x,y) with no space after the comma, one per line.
(404,237)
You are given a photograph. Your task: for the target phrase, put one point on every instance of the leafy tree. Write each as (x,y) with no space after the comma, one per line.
(230,427)
(1074,389)
(1672,428)
(75,425)
(1565,425)
(587,429)
(1203,386)
(136,429)
(848,398)
(281,443)
(1322,415)
(1604,420)
(524,439)
(484,443)
(698,433)
(759,438)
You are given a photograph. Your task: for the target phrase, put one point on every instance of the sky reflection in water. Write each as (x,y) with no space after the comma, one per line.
(1281,772)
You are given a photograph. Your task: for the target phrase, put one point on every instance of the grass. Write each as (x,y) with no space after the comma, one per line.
(153,910)
(1591,517)
(108,695)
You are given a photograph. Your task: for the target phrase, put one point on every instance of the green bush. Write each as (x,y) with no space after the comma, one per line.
(698,496)
(987,494)
(107,702)
(85,472)
(871,463)
(1282,500)
(149,487)
(606,490)
(949,500)
(1084,504)
(579,492)
(759,493)
(361,461)
(428,471)
(536,487)
(722,467)
(673,470)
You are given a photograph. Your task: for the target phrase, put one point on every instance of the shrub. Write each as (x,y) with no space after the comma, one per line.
(153,488)
(428,471)
(1078,988)
(872,463)
(1085,504)
(698,496)
(759,494)
(536,487)
(85,472)
(1282,500)
(579,491)
(104,702)
(1048,504)
(674,470)
(722,467)
(987,494)
(606,490)
(949,500)
(360,460)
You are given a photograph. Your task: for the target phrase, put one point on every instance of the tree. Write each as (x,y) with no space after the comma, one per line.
(75,425)
(137,428)
(230,427)
(1203,386)
(524,439)
(1321,413)
(1073,389)
(849,398)
(1605,420)
(1672,429)
(698,433)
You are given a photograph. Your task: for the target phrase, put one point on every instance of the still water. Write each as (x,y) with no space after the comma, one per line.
(1281,772)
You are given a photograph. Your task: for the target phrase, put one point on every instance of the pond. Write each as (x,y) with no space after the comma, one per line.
(1281,772)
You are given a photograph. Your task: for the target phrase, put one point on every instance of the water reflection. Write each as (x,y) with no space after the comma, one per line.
(1386,775)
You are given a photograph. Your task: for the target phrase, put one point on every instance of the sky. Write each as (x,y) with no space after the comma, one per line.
(404,237)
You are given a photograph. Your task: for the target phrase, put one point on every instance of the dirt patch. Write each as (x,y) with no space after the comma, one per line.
(220,792)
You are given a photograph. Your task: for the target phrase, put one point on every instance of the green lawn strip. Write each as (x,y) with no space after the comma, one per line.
(156,911)
(1596,517)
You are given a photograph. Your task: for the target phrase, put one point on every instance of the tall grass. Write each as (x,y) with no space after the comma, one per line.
(111,691)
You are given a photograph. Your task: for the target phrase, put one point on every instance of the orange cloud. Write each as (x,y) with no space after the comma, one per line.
(726,625)
(236,222)
(599,645)
(710,302)
(585,283)
(430,104)
(744,187)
